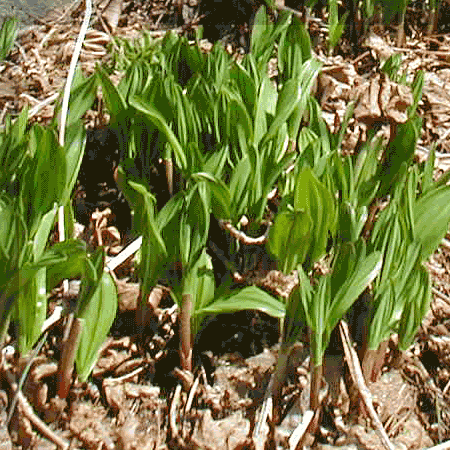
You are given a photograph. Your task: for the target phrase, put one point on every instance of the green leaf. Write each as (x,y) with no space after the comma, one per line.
(239,187)
(71,265)
(82,96)
(113,98)
(288,98)
(313,197)
(260,33)
(266,104)
(194,226)
(384,319)
(431,219)
(148,215)
(202,286)
(31,311)
(160,122)
(220,195)
(418,294)
(97,319)
(364,273)
(290,238)
(248,298)
(427,176)
(43,185)
(400,151)
(417,89)
(74,146)
(41,237)
(8,34)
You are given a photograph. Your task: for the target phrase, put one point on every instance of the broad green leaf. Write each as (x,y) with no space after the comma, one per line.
(160,122)
(73,252)
(365,272)
(313,197)
(260,33)
(290,238)
(246,86)
(93,270)
(220,195)
(8,34)
(97,319)
(82,96)
(31,310)
(418,293)
(74,146)
(384,320)
(239,185)
(266,104)
(202,287)
(399,152)
(296,321)
(148,215)
(215,163)
(288,98)
(194,226)
(431,219)
(248,298)
(17,280)
(41,237)
(427,176)
(43,185)
(113,98)
(8,234)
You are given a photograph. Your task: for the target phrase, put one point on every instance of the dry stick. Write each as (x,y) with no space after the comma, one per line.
(173,414)
(29,414)
(24,376)
(65,108)
(357,376)
(442,296)
(443,446)
(69,347)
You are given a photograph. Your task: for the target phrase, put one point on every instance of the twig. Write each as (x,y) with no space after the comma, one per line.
(123,378)
(241,236)
(299,432)
(56,315)
(65,108)
(442,296)
(29,414)
(358,378)
(23,377)
(173,415)
(191,395)
(33,111)
(443,446)
(73,65)
(124,254)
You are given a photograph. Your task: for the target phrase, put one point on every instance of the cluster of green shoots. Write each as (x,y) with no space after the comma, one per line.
(267,134)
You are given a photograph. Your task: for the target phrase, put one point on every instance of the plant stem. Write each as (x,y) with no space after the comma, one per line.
(316,381)
(169,174)
(279,376)
(368,363)
(185,332)
(379,361)
(401,31)
(66,362)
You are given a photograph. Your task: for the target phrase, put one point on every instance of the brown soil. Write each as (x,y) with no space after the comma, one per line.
(138,398)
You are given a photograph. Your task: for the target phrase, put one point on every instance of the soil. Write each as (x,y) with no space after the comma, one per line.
(137,397)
